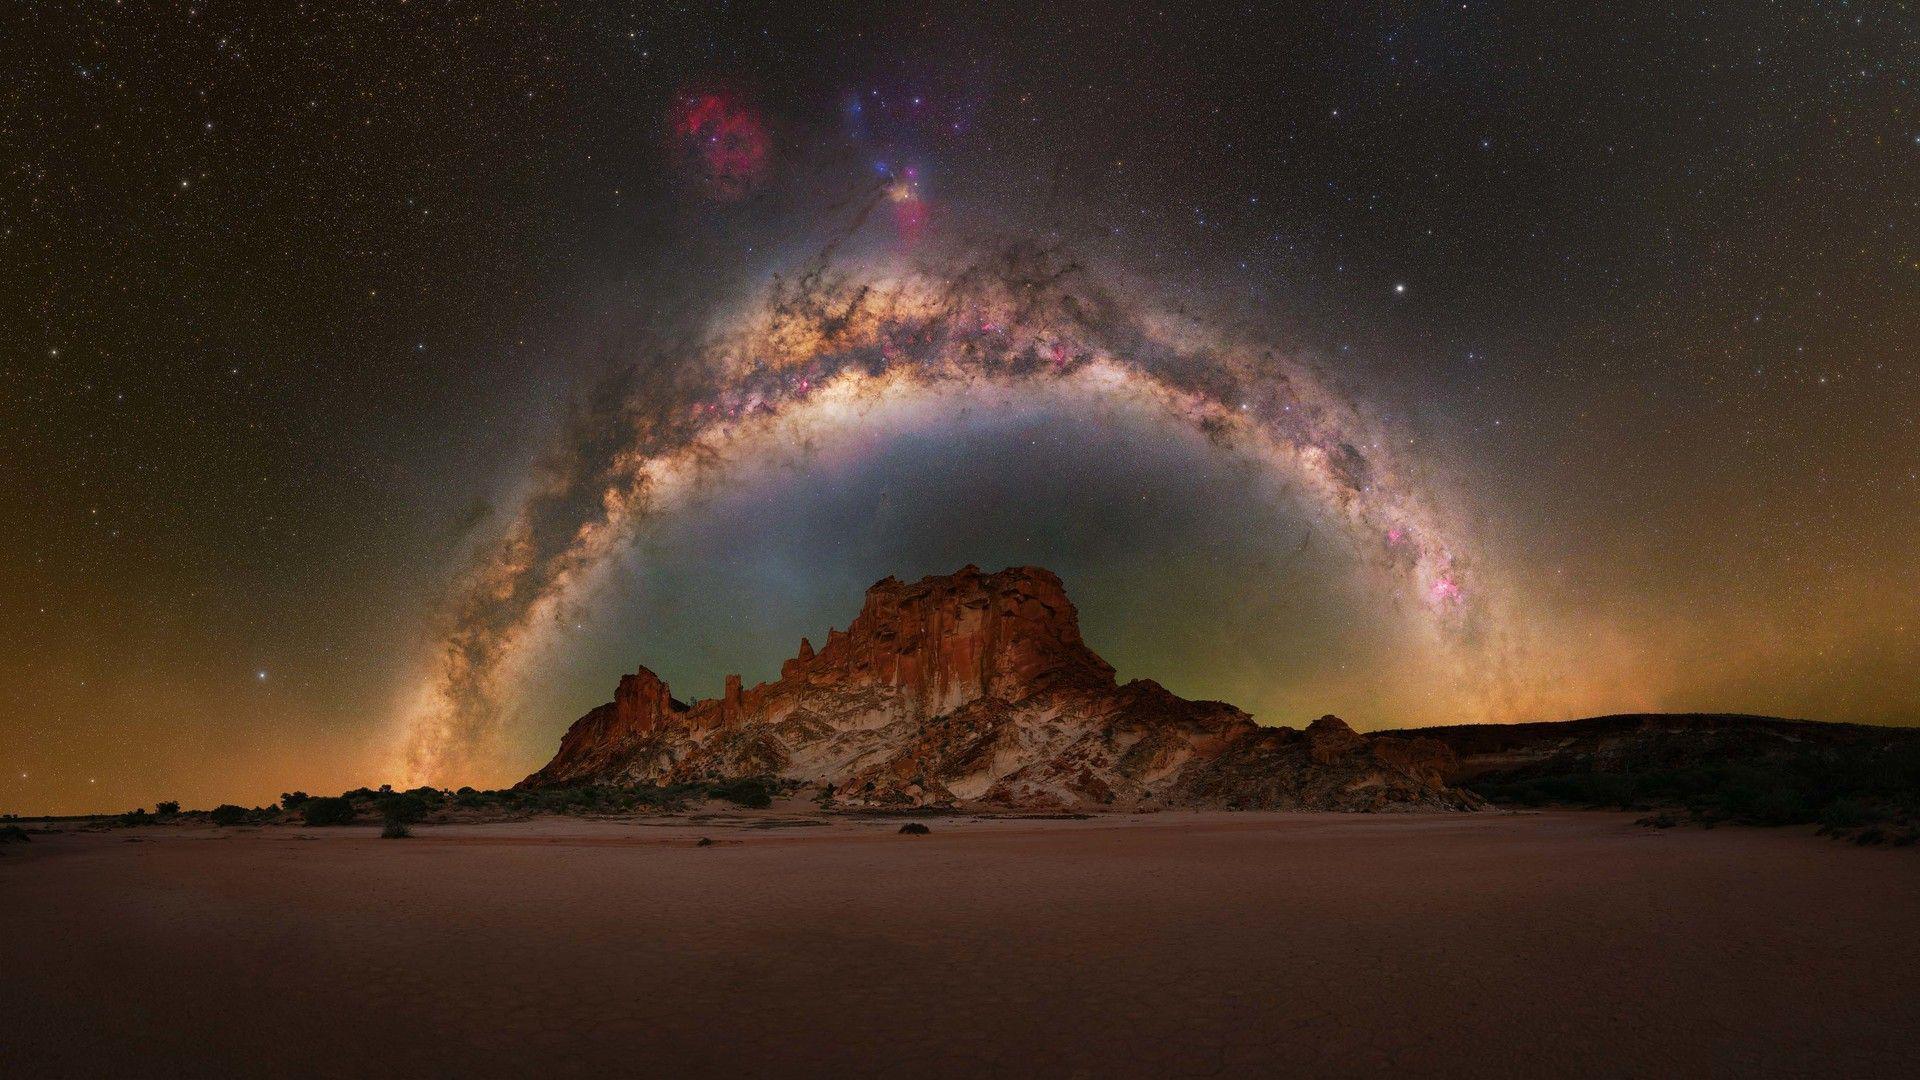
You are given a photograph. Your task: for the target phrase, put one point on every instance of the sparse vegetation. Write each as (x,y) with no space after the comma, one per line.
(752,791)
(1843,814)
(409,808)
(403,810)
(336,810)
(914,828)
(421,803)
(1850,791)
(13,834)
(395,830)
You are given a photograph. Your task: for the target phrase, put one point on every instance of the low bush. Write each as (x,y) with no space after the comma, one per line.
(402,810)
(1845,814)
(664,797)
(1844,788)
(291,800)
(228,814)
(751,791)
(327,811)
(166,809)
(559,800)
(13,834)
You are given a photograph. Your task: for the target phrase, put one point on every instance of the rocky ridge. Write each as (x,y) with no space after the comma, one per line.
(976,688)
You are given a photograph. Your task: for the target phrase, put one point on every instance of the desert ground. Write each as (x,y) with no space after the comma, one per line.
(1174,944)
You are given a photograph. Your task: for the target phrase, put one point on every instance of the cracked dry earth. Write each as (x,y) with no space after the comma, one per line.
(1176,944)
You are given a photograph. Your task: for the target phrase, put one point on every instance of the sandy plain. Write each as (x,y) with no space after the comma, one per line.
(1174,944)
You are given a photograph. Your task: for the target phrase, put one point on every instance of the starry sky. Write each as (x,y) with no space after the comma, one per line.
(307,307)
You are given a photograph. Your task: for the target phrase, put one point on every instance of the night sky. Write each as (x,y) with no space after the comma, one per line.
(1420,363)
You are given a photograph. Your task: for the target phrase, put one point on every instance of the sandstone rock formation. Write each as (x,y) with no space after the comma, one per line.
(977,688)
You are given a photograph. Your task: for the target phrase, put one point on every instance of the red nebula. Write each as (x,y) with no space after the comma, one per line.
(721,141)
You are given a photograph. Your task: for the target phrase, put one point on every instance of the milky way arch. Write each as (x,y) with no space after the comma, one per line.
(842,332)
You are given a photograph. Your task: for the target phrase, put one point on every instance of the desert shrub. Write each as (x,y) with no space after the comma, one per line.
(13,834)
(1841,791)
(751,791)
(1572,789)
(403,810)
(291,800)
(228,814)
(660,796)
(1779,806)
(560,800)
(1872,834)
(1845,814)
(1610,789)
(135,816)
(166,809)
(328,811)
(1524,794)
(914,828)
(466,796)
(395,830)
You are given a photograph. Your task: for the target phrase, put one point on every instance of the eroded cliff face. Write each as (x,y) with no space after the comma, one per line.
(977,687)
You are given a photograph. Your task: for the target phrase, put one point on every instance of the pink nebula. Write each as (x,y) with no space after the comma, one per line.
(721,141)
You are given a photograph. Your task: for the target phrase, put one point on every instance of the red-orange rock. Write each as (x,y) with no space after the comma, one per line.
(642,701)
(977,687)
(1329,737)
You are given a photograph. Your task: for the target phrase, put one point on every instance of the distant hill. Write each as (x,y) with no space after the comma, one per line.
(1758,769)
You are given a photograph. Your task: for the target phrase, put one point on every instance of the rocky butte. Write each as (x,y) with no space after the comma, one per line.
(976,688)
